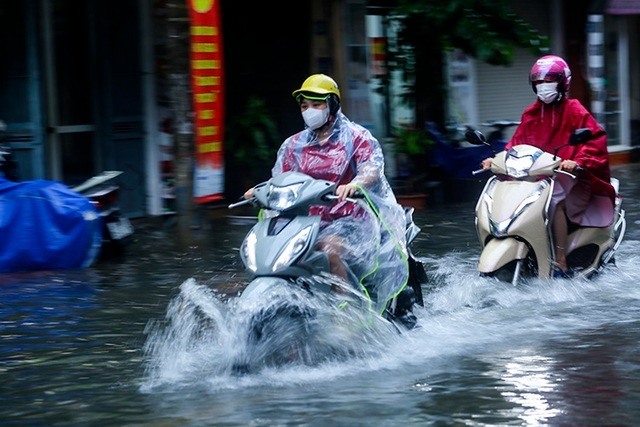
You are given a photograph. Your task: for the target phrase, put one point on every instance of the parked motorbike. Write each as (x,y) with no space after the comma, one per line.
(47,225)
(513,223)
(458,161)
(280,255)
(496,138)
(104,194)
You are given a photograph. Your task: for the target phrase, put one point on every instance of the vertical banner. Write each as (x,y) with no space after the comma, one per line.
(207,86)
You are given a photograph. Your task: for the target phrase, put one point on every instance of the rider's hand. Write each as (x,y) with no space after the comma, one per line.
(344,191)
(486,163)
(248,194)
(569,166)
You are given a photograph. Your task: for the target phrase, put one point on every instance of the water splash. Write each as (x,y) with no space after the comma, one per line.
(205,337)
(199,340)
(466,313)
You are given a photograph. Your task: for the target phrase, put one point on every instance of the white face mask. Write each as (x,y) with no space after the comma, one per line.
(547,92)
(314,118)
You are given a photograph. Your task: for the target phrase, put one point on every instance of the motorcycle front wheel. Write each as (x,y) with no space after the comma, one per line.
(514,272)
(279,325)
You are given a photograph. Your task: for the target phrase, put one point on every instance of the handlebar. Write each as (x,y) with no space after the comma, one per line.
(240,203)
(357,195)
(565,173)
(578,169)
(328,197)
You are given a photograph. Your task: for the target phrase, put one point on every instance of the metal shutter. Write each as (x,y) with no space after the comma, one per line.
(504,92)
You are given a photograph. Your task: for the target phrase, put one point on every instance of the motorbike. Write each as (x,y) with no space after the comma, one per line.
(47,225)
(104,194)
(288,272)
(457,161)
(496,136)
(513,223)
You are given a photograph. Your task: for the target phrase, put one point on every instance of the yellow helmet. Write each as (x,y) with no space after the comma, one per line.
(318,84)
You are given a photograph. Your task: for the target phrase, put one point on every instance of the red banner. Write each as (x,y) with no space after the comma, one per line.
(378,56)
(207,85)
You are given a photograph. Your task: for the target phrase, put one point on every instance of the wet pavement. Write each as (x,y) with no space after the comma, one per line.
(144,340)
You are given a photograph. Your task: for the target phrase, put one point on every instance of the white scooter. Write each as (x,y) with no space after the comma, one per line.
(513,223)
(288,271)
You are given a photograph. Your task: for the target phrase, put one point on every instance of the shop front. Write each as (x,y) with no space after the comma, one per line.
(70,91)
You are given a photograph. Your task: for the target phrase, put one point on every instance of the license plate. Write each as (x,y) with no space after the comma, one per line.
(121,229)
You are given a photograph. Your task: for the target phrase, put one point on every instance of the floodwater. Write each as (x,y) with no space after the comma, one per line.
(148,340)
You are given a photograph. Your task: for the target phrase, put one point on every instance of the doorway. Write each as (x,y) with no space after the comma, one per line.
(93,94)
(70,76)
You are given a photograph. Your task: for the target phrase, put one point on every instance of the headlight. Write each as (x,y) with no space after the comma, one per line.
(281,198)
(249,251)
(518,167)
(519,161)
(294,248)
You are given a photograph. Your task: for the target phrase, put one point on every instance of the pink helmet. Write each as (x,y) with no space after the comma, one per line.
(551,68)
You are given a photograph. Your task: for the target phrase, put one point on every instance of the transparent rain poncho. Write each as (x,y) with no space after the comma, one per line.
(371,234)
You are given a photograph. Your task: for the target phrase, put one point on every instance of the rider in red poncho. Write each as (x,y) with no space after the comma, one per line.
(548,124)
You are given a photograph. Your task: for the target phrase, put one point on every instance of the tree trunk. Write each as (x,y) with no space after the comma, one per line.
(180,98)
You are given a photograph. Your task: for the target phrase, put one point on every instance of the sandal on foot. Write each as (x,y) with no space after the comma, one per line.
(558,273)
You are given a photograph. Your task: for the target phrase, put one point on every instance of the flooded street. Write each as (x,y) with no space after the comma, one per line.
(146,340)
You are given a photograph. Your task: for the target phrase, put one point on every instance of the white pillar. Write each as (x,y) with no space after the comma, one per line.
(152,168)
(595,64)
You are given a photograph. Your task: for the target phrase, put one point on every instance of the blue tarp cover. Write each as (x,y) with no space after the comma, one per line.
(45,225)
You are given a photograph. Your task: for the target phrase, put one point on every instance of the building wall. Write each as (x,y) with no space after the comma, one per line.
(504,92)
(634,71)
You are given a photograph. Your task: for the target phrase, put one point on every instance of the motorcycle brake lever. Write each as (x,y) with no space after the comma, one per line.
(357,195)
(241,203)
(479,171)
(565,173)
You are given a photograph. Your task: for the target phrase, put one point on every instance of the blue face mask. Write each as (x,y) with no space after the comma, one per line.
(315,118)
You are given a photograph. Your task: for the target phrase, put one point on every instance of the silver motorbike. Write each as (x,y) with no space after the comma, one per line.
(288,272)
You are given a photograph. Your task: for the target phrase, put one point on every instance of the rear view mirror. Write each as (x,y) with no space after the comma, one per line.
(475,137)
(580,136)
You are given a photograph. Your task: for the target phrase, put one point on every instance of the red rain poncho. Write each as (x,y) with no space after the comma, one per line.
(590,202)
(373,245)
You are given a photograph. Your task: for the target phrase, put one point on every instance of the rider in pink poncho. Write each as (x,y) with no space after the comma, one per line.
(547,124)
(365,246)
